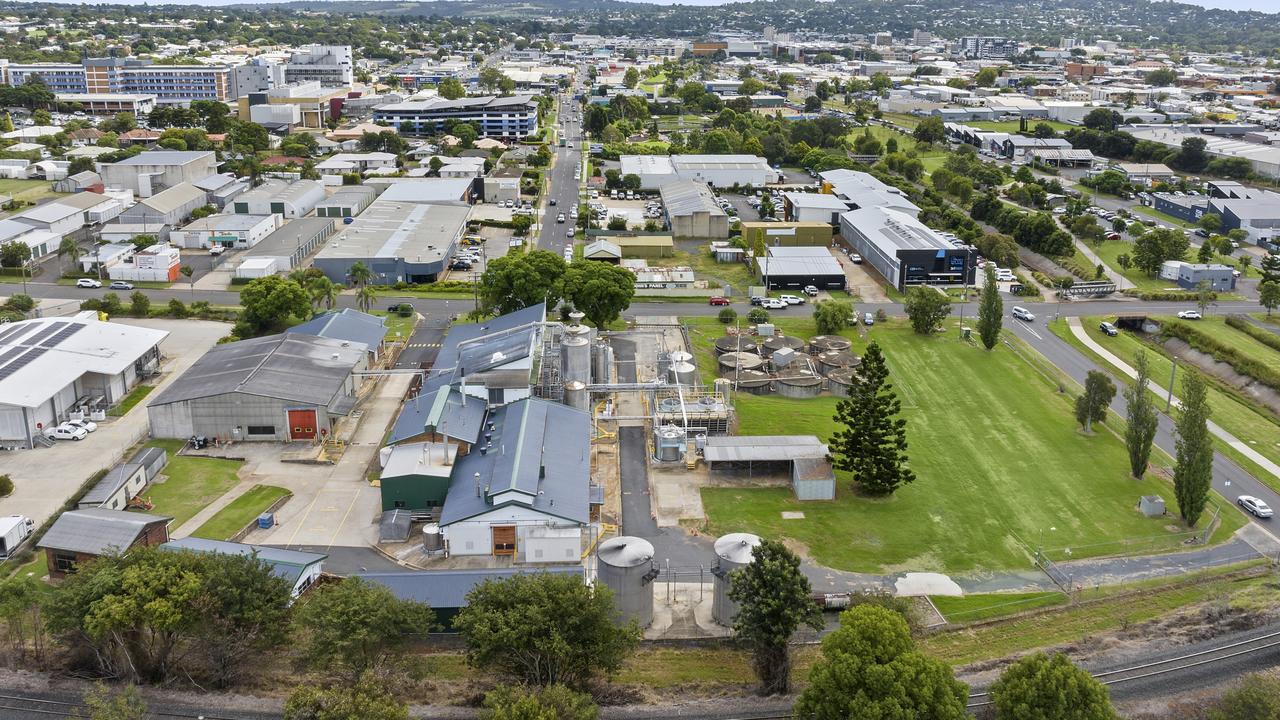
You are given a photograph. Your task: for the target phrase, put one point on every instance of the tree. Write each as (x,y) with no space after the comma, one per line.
(1210,222)
(1193,466)
(599,290)
(631,77)
(1152,249)
(322,290)
(1044,130)
(104,704)
(774,600)
(1269,295)
(366,296)
(1162,77)
(69,249)
(14,253)
(1270,268)
(926,308)
(986,77)
(1091,406)
(544,629)
(1141,418)
(554,702)
(813,103)
(139,304)
(369,699)
(517,281)
(870,441)
(1204,296)
(930,131)
(42,117)
(270,301)
(360,273)
(451,89)
(353,626)
(1044,687)
(831,316)
(1256,698)
(990,311)
(871,669)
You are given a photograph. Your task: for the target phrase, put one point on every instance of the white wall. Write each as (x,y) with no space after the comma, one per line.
(478,532)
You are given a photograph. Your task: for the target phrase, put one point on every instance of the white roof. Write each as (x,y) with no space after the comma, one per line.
(34,366)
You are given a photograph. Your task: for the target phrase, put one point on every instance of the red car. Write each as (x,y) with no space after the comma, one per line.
(717,300)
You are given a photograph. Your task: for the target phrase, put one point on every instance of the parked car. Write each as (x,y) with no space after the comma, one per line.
(216,250)
(1189,315)
(1004,275)
(868,319)
(774,304)
(855,258)
(552,202)
(718,300)
(88,283)
(757,299)
(791,299)
(66,432)
(1108,328)
(811,290)
(88,425)
(120,285)
(1022,314)
(460,265)
(1254,506)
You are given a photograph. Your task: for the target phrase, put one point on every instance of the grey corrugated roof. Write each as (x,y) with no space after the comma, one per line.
(167,201)
(288,564)
(110,484)
(394,526)
(721,448)
(299,368)
(443,409)
(346,324)
(458,337)
(96,531)
(164,157)
(683,197)
(447,589)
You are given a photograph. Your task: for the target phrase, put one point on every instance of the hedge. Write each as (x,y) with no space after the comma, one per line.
(1262,372)
(1265,337)
(1170,295)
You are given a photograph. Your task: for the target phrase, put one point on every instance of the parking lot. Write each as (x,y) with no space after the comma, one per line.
(44,478)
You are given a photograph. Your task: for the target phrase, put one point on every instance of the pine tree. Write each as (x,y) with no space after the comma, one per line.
(1270,268)
(1193,470)
(990,311)
(871,443)
(1141,417)
(6,123)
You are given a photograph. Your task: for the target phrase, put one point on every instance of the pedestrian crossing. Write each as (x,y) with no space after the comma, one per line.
(423,345)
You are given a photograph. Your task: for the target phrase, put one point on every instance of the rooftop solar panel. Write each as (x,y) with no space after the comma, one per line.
(57,338)
(10,354)
(45,332)
(14,330)
(21,362)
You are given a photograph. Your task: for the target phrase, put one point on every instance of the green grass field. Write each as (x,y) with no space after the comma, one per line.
(705,267)
(998,460)
(193,483)
(972,608)
(135,396)
(1011,126)
(1160,217)
(1216,326)
(29,190)
(240,512)
(1247,422)
(398,328)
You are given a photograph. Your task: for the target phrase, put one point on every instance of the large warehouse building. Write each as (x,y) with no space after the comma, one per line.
(399,241)
(904,250)
(692,211)
(798,267)
(52,366)
(276,388)
(716,170)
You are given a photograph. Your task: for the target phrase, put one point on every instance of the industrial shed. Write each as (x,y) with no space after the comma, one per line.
(277,388)
(114,491)
(78,536)
(692,211)
(348,325)
(797,267)
(346,202)
(276,197)
(297,567)
(445,591)
(787,234)
(287,247)
(799,457)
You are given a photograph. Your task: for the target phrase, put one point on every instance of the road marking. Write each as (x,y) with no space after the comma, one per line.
(338,528)
(1033,332)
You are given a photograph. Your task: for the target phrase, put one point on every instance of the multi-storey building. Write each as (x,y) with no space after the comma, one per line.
(513,117)
(169,83)
(988,48)
(331,65)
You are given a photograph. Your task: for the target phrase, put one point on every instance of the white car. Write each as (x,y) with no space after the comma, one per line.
(774,304)
(1189,315)
(66,432)
(88,283)
(88,425)
(1022,313)
(791,299)
(1254,506)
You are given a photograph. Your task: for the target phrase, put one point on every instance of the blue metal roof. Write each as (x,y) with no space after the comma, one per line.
(349,325)
(451,350)
(288,564)
(441,408)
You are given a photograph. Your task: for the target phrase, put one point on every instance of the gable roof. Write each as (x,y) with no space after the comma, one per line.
(346,324)
(475,342)
(288,564)
(96,531)
(444,410)
(448,588)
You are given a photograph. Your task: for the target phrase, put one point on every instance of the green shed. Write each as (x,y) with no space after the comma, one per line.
(415,476)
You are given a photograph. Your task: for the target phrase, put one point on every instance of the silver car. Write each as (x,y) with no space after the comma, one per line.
(1254,506)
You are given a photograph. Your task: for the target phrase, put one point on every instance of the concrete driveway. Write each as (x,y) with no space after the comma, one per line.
(44,478)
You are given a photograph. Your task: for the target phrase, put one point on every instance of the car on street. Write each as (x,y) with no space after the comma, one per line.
(120,285)
(1108,328)
(88,425)
(553,202)
(560,218)
(774,304)
(1189,315)
(88,283)
(868,319)
(66,432)
(1022,313)
(1254,506)
(757,299)
(718,300)
(855,258)
(568,234)
(791,299)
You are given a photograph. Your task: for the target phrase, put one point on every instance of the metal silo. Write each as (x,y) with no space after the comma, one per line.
(575,395)
(575,359)
(602,361)
(682,373)
(733,551)
(626,567)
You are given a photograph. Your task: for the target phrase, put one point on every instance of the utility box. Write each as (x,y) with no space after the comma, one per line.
(1151,505)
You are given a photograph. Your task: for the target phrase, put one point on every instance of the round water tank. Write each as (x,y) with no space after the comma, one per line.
(724,386)
(840,379)
(756,382)
(733,551)
(683,373)
(625,566)
(602,361)
(679,356)
(832,359)
(798,383)
(669,443)
(824,343)
(384,455)
(735,343)
(777,342)
(432,539)
(732,362)
(575,359)
(575,395)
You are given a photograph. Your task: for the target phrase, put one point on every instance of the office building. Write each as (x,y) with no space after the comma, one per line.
(514,117)
(904,250)
(987,48)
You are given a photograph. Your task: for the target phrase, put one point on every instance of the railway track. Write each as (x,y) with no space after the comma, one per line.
(25,706)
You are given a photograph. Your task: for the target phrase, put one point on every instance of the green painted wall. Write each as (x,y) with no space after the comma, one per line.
(416,492)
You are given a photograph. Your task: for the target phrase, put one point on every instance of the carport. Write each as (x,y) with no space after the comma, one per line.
(760,454)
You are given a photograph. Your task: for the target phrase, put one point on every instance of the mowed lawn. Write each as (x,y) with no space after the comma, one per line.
(193,483)
(998,461)
(240,512)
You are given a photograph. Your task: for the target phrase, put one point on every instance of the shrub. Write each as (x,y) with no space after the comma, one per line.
(757,316)
(1222,352)
(1269,339)
(727,315)
(6,486)
(177,308)
(1169,295)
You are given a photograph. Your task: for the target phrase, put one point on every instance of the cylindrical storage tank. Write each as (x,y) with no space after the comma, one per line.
(735,343)
(824,343)
(579,331)
(780,341)
(733,551)
(602,359)
(798,383)
(668,443)
(679,356)
(682,373)
(839,380)
(625,566)
(724,387)
(575,395)
(432,539)
(833,359)
(756,382)
(738,361)
(575,359)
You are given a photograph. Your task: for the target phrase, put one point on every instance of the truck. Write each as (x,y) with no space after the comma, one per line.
(14,530)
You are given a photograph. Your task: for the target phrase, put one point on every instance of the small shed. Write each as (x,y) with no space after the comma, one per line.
(1151,505)
(394,526)
(152,459)
(761,454)
(813,479)
(78,536)
(114,491)
(602,250)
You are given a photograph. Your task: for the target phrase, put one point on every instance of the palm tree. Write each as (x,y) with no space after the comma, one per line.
(365,297)
(323,290)
(69,248)
(360,274)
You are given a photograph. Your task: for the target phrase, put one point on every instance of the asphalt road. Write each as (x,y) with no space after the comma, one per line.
(561,185)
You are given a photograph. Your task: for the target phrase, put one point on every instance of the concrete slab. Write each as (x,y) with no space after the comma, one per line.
(913,584)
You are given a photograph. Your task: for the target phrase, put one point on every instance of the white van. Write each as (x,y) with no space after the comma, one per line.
(14,530)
